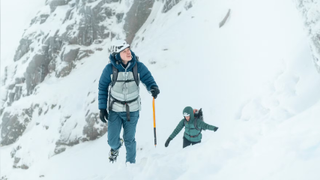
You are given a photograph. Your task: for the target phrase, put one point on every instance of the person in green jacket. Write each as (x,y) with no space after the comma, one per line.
(193,126)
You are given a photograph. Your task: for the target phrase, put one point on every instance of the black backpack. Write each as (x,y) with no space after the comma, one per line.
(197,116)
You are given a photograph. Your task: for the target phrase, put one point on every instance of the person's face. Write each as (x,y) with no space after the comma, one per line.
(187,118)
(126,55)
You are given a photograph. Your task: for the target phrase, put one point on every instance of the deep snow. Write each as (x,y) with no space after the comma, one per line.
(254,79)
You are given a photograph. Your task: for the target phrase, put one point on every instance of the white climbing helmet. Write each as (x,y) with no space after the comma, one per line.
(118,46)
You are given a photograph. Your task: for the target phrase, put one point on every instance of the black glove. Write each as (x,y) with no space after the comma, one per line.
(215,129)
(104,115)
(155,91)
(200,113)
(167,142)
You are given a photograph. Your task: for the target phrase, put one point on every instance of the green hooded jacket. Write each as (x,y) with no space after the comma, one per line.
(191,133)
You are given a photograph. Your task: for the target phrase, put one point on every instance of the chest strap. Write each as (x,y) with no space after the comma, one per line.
(193,136)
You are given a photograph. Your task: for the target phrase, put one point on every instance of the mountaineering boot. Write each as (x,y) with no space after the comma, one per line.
(114,153)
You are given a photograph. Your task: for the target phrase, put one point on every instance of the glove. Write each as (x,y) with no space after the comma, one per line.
(215,129)
(154,91)
(197,113)
(167,142)
(104,115)
(200,113)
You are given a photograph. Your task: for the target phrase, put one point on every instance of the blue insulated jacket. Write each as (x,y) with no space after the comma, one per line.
(105,79)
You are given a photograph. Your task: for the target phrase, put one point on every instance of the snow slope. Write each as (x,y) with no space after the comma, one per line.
(254,79)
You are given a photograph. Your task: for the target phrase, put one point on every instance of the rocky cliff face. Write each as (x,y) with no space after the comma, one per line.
(63,35)
(310,10)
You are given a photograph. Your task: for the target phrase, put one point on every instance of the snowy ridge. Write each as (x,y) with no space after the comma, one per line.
(310,11)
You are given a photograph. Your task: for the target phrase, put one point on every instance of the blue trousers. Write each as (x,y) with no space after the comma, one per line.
(116,121)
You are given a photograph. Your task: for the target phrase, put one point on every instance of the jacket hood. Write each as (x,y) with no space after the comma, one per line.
(188,110)
(116,61)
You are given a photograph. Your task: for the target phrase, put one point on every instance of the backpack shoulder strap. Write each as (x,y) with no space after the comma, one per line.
(114,76)
(135,73)
(195,124)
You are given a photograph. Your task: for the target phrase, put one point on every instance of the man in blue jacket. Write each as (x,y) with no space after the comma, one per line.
(119,95)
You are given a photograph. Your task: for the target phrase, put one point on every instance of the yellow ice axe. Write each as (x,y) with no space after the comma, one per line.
(154,124)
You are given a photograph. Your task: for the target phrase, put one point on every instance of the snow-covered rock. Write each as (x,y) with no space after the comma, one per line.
(62,36)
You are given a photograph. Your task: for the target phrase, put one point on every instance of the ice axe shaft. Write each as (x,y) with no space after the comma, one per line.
(154,123)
